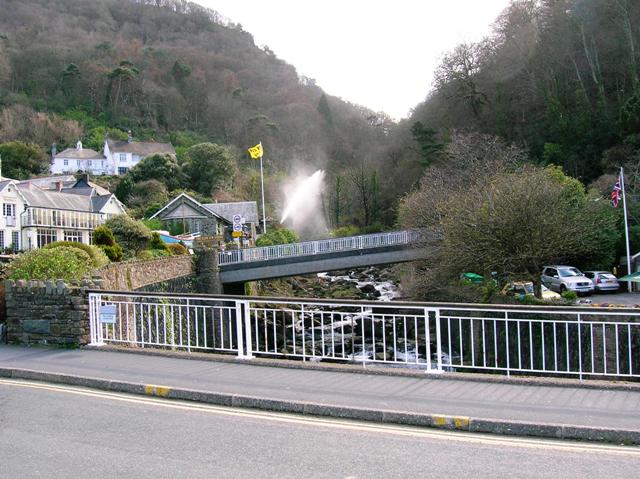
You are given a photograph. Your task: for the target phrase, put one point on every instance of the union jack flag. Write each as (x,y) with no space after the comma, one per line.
(616,194)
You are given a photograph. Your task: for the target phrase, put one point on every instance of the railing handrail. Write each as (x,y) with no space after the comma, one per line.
(330,245)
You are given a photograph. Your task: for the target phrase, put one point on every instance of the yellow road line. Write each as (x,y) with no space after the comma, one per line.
(332,423)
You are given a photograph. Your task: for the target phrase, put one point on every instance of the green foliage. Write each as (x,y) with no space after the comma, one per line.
(177,249)
(97,136)
(569,295)
(430,147)
(208,167)
(103,235)
(113,252)
(350,230)
(22,160)
(133,236)
(156,242)
(275,237)
(153,224)
(163,168)
(66,263)
(124,188)
(98,257)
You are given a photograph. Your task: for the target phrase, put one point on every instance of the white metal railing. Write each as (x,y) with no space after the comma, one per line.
(320,246)
(581,342)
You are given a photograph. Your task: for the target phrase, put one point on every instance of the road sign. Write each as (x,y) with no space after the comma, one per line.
(108,313)
(237,227)
(237,219)
(237,234)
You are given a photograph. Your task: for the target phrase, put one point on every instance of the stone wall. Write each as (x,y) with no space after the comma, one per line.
(132,275)
(47,312)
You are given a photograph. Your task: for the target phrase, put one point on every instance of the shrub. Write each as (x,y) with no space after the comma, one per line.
(350,230)
(102,235)
(64,263)
(145,255)
(148,254)
(98,257)
(569,295)
(153,224)
(132,235)
(274,237)
(177,249)
(114,252)
(157,243)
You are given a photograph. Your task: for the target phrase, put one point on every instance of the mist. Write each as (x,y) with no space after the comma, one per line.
(303,205)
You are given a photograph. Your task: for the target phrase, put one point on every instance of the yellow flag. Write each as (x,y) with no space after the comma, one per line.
(256,151)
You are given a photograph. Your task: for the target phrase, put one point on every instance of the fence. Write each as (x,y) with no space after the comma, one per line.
(582,342)
(321,246)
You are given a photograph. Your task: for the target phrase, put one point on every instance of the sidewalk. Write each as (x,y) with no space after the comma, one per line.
(563,409)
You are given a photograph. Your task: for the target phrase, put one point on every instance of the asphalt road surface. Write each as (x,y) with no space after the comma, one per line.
(60,431)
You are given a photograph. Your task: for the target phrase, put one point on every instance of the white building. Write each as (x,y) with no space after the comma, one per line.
(117,157)
(38,212)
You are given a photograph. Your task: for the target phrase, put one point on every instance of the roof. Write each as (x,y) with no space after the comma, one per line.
(179,201)
(80,154)
(37,197)
(246,209)
(142,148)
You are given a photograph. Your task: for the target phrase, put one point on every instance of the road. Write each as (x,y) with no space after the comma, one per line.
(60,431)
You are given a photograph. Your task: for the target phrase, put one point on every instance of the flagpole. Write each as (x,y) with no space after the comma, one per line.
(626,226)
(264,214)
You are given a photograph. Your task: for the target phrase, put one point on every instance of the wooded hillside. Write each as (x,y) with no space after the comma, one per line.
(170,70)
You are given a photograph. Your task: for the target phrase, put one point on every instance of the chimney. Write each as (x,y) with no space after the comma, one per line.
(130,138)
(79,145)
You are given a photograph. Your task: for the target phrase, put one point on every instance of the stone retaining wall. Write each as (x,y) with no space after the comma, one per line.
(132,275)
(47,312)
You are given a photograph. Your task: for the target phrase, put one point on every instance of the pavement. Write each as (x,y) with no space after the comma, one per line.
(604,411)
(624,299)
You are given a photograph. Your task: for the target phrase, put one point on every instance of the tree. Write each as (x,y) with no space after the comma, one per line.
(132,235)
(22,160)
(208,167)
(517,222)
(163,168)
(430,146)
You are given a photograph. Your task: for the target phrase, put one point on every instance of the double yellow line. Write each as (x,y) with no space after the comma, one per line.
(155,395)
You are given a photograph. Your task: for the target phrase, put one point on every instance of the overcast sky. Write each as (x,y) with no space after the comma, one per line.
(377,53)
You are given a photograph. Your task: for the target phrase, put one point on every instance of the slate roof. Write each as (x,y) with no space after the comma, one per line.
(37,197)
(142,148)
(80,154)
(247,209)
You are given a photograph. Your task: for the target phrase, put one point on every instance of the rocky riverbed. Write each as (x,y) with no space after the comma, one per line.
(372,283)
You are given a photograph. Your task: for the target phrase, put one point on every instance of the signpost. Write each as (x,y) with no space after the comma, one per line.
(237,226)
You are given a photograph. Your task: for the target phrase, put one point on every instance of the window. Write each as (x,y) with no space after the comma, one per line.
(89,162)
(2,245)
(45,236)
(66,162)
(9,212)
(9,209)
(75,236)
(91,237)
(78,162)
(122,157)
(122,170)
(15,240)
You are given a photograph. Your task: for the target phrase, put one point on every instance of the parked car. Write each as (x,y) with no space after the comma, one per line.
(566,278)
(603,280)
(519,289)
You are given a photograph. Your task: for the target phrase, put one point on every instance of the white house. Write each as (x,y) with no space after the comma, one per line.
(38,212)
(117,157)
(76,159)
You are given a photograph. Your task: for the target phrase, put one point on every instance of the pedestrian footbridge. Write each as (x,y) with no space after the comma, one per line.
(324,255)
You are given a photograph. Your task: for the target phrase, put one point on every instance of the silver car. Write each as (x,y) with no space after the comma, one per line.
(603,280)
(566,278)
